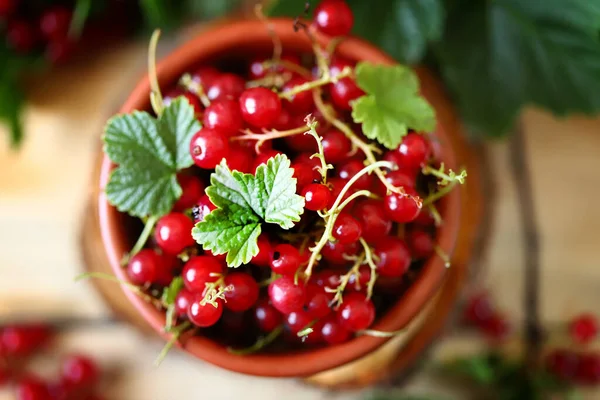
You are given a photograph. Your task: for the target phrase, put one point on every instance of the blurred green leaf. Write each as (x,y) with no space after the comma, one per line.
(209,9)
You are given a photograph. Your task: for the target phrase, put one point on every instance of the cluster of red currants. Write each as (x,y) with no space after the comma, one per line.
(79,375)
(482,314)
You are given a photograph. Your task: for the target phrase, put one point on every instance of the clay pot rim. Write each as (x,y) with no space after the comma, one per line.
(226,38)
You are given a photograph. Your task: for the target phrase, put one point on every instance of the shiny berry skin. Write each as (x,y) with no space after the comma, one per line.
(402,209)
(284,122)
(346,229)
(563,363)
(424,219)
(21,36)
(204,315)
(588,369)
(55,23)
(182,302)
(7,7)
(286,296)
(317,301)
(338,64)
(258,70)
(360,284)
(224,116)
(334,252)
(297,321)
(478,309)
(260,107)
(240,159)
(350,168)
(336,185)
(202,208)
(420,243)
(266,316)
(285,259)
(190,97)
(414,151)
(79,371)
(400,178)
(143,268)
(336,146)
(265,252)
(23,340)
(300,103)
(199,271)
(205,76)
(208,147)
(303,173)
(225,86)
(344,92)
(371,216)
(32,388)
(356,312)
(333,18)
(333,332)
(316,196)
(496,328)
(584,328)
(192,189)
(263,158)
(244,291)
(326,279)
(393,255)
(173,233)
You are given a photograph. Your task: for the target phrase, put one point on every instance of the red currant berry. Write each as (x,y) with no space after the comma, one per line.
(326,279)
(21,36)
(174,233)
(393,257)
(350,168)
(588,370)
(334,18)
(478,309)
(7,7)
(265,252)
(337,253)
(300,103)
(317,301)
(264,157)
(336,146)
(303,173)
(266,316)
(316,196)
(32,388)
(346,229)
(356,312)
(204,314)
(208,147)
(402,208)
(287,296)
(79,371)
(224,116)
(285,259)
(344,92)
(202,208)
(242,293)
(225,86)
(297,321)
(260,107)
(496,327)
(338,64)
(205,76)
(240,159)
(371,216)
(284,122)
(23,340)
(359,282)
(424,219)
(563,363)
(333,332)
(182,302)
(199,271)
(168,266)
(192,189)
(414,151)
(190,97)
(143,267)
(400,178)
(258,70)
(584,328)
(420,243)
(337,185)
(5,375)
(55,23)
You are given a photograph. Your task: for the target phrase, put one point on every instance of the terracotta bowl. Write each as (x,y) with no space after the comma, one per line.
(242,41)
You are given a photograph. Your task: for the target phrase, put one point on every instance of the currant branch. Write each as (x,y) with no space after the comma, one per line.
(445,178)
(320,154)
(316,83)
(156,98)
(372,266)
(344,279)
(268,135)
(195,87)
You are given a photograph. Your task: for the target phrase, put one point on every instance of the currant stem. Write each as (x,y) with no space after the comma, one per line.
(272,135)
(437,218)
(321,153)
(354,195)
(432,198)
(177,331)
(307,330)
(443,255)
(261,343)
(446,178)
(277,45)
(344,279)
(134,288)
(156,98)
(372,266)
(289,66)
(144,236)
(187,82)
(311,85)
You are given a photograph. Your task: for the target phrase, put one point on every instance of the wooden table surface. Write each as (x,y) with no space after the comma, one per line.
(43,189)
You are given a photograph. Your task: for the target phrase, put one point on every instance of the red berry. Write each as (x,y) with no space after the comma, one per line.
(338,64)
(333,332)
(182,302)
(266,316)
(55,23)
(356,312)
(260,107)
(588,369)
(285,259)
(400,178)
(344,92)
(333,18)
(21,36)
(414,151)
(287,296)
(204,314)
(190,97)
(174,233)
(350,168)
(225,86)
(337,185)
(284,122)
(393,257)
(336,146)
(240,159)
(265,251)
(337,253)
(264,157)
(199,271)
(166,272)
(7,7)
(359,283)
(563,363)
(371,216)
(4,372)
(143,268)
(316,196)
(297,321)
(346,229)
(496,327)
(402,208)
(420,243)
(242,293)
(32,388)
(302,102)
(584,328)
(478,309)
(303,173)
(79,371)
(224,116)
(326,279)
(192,189)
(205,76)
(23,340)
(424,219)
(202,208)
(208,147)
(258,69)
(317,301)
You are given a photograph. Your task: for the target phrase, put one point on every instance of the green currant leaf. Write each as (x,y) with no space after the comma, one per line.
(392,103)
(498,56)
(149,152)
(243,202)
